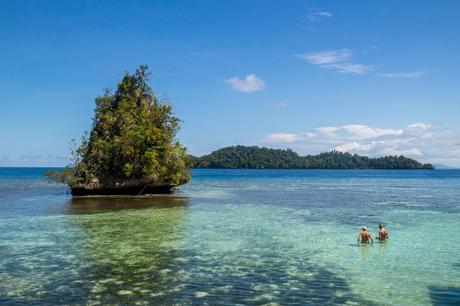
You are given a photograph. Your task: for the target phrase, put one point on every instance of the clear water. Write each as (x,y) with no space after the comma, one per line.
(235,237)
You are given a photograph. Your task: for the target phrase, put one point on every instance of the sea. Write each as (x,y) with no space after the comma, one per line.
(235,237)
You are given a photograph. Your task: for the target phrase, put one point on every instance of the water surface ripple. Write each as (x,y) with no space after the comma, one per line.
(252,237)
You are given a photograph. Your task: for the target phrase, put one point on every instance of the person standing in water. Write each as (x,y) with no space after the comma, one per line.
(383,233)
(365,236)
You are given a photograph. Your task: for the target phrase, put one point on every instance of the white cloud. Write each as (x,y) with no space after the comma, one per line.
(348,68)
(310,135)
(282,138)
(420,126)
(422,141)
(418,129)
(250,83)
(364,132)
(380,148)
(336,60)
(407,74)
(326,57)
(353,146)
(327,130)
(316,15)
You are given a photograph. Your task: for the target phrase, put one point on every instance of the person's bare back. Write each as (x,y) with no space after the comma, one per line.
(365,236)
(383,233)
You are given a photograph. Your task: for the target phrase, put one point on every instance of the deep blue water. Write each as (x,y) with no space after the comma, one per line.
(235,237)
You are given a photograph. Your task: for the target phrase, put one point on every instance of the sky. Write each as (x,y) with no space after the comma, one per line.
(367,77)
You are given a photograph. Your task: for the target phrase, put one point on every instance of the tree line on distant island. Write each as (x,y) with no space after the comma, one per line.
(254,157)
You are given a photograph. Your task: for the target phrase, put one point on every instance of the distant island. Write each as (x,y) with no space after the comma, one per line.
(254,157)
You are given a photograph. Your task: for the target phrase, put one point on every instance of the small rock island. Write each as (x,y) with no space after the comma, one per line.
(132,147)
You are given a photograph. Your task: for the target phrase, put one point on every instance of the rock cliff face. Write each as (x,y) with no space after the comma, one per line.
(123,187)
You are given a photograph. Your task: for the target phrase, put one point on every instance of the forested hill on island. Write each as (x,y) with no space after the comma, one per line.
(253,157)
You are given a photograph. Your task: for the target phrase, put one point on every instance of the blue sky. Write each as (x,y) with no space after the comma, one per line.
(368,77)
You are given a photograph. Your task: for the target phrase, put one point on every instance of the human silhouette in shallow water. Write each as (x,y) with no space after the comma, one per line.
(365,236)
(383,233)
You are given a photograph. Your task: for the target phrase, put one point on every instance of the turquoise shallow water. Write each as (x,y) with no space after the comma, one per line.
(235,237)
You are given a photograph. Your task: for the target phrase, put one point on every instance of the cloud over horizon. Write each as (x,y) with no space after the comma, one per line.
(335,60)
(317,14)
(421,141)
(250,83)
(406,74)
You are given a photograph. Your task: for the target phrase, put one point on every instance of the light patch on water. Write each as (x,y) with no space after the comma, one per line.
(210,194)
(200,294)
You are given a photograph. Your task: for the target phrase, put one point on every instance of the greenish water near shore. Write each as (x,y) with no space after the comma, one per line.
(235,236)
